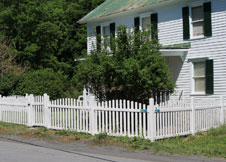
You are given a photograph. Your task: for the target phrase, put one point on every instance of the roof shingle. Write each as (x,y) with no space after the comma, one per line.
(110,7)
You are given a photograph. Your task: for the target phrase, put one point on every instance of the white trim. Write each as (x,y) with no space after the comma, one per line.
(195,4)
(141,22)
(174,50)
(198,59)
(182,53)
(193,77)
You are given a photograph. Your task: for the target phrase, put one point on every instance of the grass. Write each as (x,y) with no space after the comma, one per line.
(210,144)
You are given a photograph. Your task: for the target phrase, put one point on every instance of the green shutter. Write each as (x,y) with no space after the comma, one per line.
(209,77)
(154,26)
(207,19)
(112,32)
(98,38)
(186,27)
(137,24)
(112,29)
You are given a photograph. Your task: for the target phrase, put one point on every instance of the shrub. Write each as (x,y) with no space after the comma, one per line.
(133,70)
(8,84)
(42,81)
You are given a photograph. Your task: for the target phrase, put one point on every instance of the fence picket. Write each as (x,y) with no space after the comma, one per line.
(117,117)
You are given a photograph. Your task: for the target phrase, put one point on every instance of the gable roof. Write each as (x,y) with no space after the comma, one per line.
(110,7)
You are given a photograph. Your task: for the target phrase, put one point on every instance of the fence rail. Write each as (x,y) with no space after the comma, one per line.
(116,117)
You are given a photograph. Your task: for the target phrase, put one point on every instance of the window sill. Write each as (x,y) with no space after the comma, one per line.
(199,94)
(197,38)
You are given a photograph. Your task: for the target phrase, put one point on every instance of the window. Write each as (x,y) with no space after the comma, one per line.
(197,21)
(146,22)
(199,77)
(106,31)
(106,34)
(203,77)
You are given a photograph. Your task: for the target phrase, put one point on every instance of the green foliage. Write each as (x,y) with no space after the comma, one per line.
(8,84)
(211,144)
(101,136)
(132,70)
(42,81)
(45,33)
(42,34)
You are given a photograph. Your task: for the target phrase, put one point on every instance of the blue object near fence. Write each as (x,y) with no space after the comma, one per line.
(144,110)
(157,111)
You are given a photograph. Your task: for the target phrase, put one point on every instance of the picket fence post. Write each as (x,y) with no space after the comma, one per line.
(30,99)
(222,110)
(47,112)
(93,120)
(192,124)
(151,120)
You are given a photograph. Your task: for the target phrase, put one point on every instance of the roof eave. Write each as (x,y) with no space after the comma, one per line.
(135,10)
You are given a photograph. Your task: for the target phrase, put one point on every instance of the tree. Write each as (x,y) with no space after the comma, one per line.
(133,69)
(7,62)
(45,33)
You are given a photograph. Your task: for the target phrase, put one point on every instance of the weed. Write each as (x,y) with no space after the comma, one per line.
(64,133)
(101,136)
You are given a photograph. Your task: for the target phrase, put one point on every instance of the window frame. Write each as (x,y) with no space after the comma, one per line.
(145,15)
(192,80)
(198,77)
(102,26)
(193,5)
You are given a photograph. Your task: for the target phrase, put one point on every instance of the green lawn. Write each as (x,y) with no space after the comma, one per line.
(210,144)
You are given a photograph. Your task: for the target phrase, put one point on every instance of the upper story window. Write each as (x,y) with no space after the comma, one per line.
(197,21)
(106,31)
(106,34)
(146,22)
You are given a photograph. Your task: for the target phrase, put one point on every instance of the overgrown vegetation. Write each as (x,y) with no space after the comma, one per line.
(132,69)
(211,143)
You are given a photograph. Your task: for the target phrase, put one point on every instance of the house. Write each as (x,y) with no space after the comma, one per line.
(191,32)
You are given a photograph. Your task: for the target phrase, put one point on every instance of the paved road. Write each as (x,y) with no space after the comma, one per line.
(18,152)
(17,149)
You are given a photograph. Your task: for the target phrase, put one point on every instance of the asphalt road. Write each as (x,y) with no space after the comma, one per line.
(18,152)
(17,149)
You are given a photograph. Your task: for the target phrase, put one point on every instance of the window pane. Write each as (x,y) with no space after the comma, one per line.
(197,13)
(199,69)
(200,85)
(198,29)
(146,22)
(106,31)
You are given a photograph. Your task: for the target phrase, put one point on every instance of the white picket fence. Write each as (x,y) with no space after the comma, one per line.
(117,117)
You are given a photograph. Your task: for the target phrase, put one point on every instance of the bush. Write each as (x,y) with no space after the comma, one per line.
(133,70)
(42,81)
(8,84)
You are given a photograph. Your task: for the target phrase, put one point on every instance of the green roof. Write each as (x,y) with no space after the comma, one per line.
(110,7)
